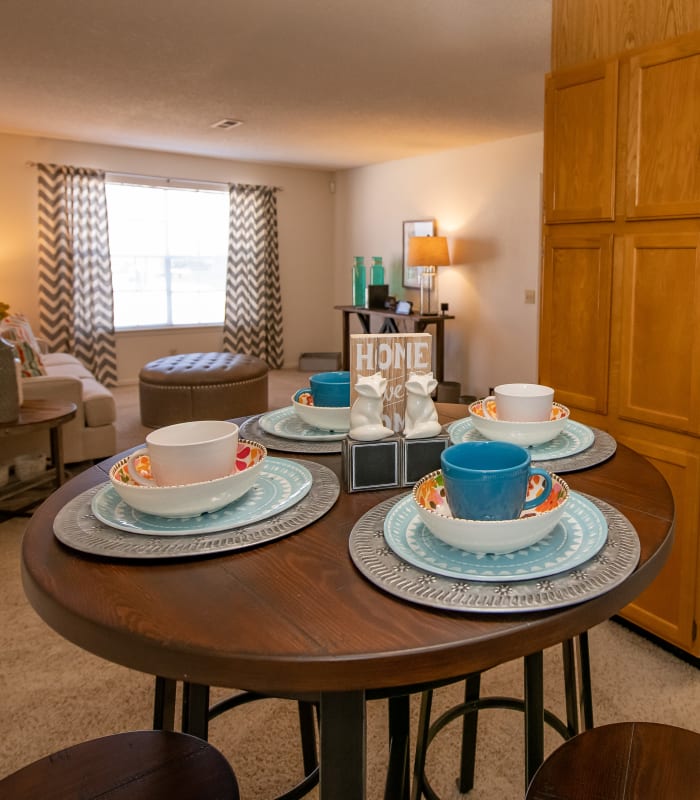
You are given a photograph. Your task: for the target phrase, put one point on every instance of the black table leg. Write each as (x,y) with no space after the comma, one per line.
(343,729)
(195,710)
(398,773)
(164,704)
(534,715)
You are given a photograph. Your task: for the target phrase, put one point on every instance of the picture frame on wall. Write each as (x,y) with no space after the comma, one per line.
(414,227)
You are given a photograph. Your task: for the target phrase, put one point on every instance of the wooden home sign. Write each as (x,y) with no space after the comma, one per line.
(395,355)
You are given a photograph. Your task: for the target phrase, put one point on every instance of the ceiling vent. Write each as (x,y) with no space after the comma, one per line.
(226,123)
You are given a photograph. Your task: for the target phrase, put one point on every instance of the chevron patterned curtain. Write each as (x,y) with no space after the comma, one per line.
(253,317)
(75,273)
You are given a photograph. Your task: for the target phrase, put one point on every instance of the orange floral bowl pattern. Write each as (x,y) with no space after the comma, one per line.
(491,536)
(192,499)
(526,434)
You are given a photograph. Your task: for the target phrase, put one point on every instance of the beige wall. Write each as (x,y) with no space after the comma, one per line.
(305,239)
(486,200)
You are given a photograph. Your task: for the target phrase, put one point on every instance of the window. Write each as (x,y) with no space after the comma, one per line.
(168,248)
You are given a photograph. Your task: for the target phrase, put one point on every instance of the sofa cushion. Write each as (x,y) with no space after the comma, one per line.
(73,369)
(98,402)
(100,408)
(16,327)
(29,359)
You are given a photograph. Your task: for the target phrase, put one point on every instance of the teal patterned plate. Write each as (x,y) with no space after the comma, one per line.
(579,535)
(281,484)
(575,438)
(285,423)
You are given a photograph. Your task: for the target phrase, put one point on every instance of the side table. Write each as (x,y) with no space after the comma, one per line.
(39,415)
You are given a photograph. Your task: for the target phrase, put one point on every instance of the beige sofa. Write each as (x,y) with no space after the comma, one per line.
(92,433)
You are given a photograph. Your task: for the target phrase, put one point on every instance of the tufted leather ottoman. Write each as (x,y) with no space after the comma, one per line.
(201,386)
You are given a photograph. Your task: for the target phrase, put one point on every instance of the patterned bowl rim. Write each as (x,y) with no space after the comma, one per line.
(295,402)
(565,414)
(241,442)
(566,493)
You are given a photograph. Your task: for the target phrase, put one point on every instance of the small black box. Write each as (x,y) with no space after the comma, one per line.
(377,295)
(421,456)
(372,465)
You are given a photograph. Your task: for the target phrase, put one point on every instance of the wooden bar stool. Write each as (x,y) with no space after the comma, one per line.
(140,765)
(622,761)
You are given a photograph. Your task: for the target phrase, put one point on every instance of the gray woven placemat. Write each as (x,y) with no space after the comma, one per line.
(251,429)
(77,527)
(381,566)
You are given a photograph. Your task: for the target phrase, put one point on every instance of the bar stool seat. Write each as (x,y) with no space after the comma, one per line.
(140,765)
(622,761)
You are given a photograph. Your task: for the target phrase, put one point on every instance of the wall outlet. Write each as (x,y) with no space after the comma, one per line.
(530,296)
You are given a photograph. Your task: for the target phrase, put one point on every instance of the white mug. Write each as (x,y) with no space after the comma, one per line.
(188,452)
(524,402)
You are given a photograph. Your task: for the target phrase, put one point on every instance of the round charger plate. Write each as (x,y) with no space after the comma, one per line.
(251,429)
(579,535)
(377,562)
(77,527)
(575,438)
(281,484)
(285,423)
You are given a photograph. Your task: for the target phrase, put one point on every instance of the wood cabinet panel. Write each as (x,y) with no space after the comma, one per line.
(666,607)
(663,175)
(580,137)
(575,329)
(660,324)
(585,31)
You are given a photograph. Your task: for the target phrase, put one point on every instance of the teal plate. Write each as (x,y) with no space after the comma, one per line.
(579,535)
(575,438)
(281,484)
(285,423)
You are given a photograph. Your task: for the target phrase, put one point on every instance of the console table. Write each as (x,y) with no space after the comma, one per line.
(416,323)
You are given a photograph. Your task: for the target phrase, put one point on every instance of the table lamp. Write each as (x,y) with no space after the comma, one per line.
(429,252)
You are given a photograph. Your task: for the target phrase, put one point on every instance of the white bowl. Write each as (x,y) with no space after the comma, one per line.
(192,499)
(327,418)
(488,536)
(484,418)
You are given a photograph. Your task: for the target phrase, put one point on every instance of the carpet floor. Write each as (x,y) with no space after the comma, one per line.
(53,694)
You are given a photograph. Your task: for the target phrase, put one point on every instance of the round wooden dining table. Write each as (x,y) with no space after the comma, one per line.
(294,618)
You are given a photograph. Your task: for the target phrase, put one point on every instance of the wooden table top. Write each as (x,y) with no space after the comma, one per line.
(40,414)
(294,617)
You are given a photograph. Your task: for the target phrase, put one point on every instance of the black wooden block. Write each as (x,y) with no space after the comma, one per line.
(372,465)
(421,456)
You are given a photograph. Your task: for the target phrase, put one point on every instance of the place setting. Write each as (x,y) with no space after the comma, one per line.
(495,529)
(317,420)
(526,414)
(196,488)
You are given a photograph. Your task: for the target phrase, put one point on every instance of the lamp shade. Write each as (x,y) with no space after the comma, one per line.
(428,251)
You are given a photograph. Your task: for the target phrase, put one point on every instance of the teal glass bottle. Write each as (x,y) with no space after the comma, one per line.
(377,271)
(359,282)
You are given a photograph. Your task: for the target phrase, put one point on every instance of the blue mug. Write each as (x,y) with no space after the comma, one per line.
(331,388)
(489,480)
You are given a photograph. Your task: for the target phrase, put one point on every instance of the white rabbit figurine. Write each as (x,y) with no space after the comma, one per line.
(421,420)
(366,412)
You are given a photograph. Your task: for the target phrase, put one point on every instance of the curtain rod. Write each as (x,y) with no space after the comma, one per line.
(160,177)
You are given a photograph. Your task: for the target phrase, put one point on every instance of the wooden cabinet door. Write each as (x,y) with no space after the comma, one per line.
(579,144)
(660,324)
(663,175)
(575,323)
(666,607)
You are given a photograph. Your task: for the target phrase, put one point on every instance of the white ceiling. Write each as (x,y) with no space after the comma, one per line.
(320,83)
